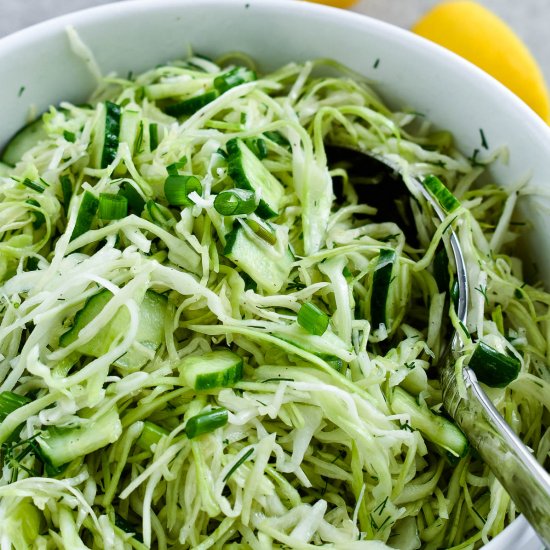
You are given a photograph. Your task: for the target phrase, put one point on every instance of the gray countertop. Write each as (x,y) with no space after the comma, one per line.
(529,18)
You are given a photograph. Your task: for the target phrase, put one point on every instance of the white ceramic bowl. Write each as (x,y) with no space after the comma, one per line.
(38,68)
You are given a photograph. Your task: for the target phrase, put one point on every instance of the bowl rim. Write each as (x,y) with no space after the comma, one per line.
(42,29)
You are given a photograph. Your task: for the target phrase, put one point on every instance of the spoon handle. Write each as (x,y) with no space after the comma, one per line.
(525,480)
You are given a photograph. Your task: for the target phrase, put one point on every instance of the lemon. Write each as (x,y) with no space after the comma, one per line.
(475,33)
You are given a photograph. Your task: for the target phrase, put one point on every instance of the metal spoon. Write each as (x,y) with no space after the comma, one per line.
(512,463)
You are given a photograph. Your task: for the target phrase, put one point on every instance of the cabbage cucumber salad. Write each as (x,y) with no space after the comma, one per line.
(215,334)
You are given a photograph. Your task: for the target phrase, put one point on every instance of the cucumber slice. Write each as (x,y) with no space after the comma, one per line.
(136,203)
(190,106)
(153,136)
(128,133)
(98,137)
(216,369)
(381,281)
(9,402)
(150,331)
(86,214)
(129,127)
(441,194)
(434,427)
(66,191)
(248,172)
(112,131)
(106,135)
(59,446)
(493,368)
(234,77)
(268,265)
(257,146)
(23,140)
(278,138)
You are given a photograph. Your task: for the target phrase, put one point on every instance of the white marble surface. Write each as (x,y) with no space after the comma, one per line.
(529,18)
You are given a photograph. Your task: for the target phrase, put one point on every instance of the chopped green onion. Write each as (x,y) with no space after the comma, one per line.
(235,466)
(39,218)
(441,194)
(191,105)
(33,185)
(493,368)
(153,136)
(66,190)
(173,168)
(112,207)
(313,319)
(9,402)
(150,435)
(206,422)
(235,201)
(136,203)
(159,214)
(177,189)
(69,136)
(86,214)
(234,77)
(262,231)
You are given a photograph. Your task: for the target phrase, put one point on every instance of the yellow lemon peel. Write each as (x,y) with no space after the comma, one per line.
(478,35)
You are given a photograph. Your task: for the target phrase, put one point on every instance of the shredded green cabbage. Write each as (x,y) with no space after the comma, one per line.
(312,453)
